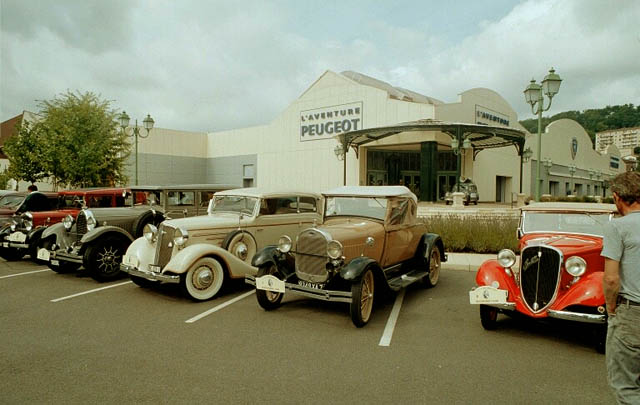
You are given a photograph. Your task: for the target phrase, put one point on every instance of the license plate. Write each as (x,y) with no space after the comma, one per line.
(270,283)
(55,262)
(488,295)
(130,261)
(17,237)
(43,254)
(318,286)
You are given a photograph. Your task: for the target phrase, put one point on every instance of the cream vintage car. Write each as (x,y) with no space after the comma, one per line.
(369,241)
(201,252)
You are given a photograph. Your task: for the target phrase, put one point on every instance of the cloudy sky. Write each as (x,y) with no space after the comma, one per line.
(208,65)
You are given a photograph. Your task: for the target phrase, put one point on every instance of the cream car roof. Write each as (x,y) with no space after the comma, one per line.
(265,193)
(372,191)
(570,206)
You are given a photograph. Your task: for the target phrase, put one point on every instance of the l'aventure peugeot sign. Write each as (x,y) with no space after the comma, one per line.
(324,123)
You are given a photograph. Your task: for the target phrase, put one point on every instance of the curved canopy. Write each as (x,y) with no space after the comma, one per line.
(481,136)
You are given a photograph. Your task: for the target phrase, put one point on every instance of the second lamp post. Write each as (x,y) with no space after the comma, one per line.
(148,125)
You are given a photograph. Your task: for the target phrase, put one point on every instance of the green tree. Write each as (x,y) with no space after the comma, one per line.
(4,179)
(83,144)
(24,150)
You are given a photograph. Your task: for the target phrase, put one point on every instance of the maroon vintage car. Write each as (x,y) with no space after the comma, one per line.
(560,270)
(17,203)
(22,234)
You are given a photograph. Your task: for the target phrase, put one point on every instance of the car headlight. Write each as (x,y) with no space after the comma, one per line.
(91,220)
(67,222)
(14,225)
(180,237)
(334,249)
(506,258)
(150,232)
(284,244)
(576,266)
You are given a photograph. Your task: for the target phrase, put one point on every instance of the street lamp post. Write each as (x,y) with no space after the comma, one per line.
(533,94)
(524,158)
(148,125)
(459,150)
(572,171)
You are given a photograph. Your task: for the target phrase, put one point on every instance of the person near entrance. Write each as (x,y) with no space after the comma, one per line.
(621,285)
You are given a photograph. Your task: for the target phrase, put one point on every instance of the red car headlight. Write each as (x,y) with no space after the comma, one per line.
(575,265)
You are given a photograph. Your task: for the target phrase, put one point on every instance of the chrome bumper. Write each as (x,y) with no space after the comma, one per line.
(17,245)
(65,257)
(150,275)
(577,316)
(508,306)
(325,295)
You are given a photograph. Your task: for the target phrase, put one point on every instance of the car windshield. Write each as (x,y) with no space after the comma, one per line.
(565,222)
(231,203)
(11,201)
(371,207)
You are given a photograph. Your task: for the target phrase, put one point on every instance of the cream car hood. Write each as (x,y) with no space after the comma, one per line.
(205,222)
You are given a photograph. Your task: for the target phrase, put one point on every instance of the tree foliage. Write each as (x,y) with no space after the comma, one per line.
(81,143)
(24,150)
(595,120)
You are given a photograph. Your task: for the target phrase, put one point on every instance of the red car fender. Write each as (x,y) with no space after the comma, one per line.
(491,271)
(586,291)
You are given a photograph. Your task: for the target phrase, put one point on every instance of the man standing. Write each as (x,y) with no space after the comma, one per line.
(621,284)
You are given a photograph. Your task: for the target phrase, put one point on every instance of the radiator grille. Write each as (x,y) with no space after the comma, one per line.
(539,276)
(164,245)
(81,225)
(311,256)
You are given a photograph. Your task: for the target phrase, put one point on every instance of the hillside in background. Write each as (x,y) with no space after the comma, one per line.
(597,120)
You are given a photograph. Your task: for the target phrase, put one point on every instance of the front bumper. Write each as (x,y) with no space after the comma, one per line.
(65,256)
(150,275)
(324,295)
(552,313)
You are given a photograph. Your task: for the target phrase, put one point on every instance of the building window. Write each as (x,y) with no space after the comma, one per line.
(248,175)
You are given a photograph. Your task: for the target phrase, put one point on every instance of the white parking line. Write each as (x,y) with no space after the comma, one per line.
(26,272)
(90,291)
(219,307)
(385,340)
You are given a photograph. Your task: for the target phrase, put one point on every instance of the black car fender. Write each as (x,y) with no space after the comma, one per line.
(353,270)
(433,241)
(150,217)
(271,254)
(104,231)
(36,234)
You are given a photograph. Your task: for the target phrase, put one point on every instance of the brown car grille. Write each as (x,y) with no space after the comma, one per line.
(539,276)
(164,245)
(311,256)
(81,225)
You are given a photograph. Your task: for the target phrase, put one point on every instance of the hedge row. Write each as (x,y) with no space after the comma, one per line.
(474,234)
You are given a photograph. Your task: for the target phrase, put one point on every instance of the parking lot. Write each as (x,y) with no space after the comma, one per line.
(67,339)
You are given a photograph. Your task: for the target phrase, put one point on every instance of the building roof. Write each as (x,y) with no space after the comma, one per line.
(371,191)
(397,93)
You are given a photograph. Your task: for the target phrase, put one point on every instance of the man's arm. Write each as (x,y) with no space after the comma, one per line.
(611,284)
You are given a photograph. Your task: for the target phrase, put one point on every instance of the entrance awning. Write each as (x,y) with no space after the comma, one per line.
(481,136)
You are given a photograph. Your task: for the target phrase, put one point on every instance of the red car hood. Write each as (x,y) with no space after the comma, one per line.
(569,244)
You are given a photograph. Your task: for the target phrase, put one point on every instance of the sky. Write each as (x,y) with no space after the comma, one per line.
(211,65)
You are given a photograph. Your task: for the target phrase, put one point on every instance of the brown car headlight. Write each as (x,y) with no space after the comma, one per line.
(150,233)
(284,244)
(506,258)
(180,237)
(334,249)
(67,222)
(576,266)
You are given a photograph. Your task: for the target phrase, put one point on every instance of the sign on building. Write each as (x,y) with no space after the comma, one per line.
(326,122)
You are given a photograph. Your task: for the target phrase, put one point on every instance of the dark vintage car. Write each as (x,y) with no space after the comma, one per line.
(17,203)
(369,242)
(466,187)
(200,253)
(560,270)
(23,235)
(98,238)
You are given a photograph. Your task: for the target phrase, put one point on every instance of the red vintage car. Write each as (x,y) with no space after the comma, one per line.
(560,271)
(22,234)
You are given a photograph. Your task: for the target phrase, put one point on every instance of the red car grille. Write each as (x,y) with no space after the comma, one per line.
(539,276)
(311,256)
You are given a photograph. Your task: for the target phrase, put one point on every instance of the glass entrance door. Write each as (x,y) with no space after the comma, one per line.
(411,179)
(445,183)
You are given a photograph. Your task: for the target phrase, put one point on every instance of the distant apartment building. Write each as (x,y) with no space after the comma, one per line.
(625,140)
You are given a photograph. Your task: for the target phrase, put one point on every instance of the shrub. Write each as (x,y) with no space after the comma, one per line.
(474,234)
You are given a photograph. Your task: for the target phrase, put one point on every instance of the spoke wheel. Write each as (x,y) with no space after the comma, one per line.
(102,259)
(489,317)
(268,299)
(362,299)
(203,280)
(243,246)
